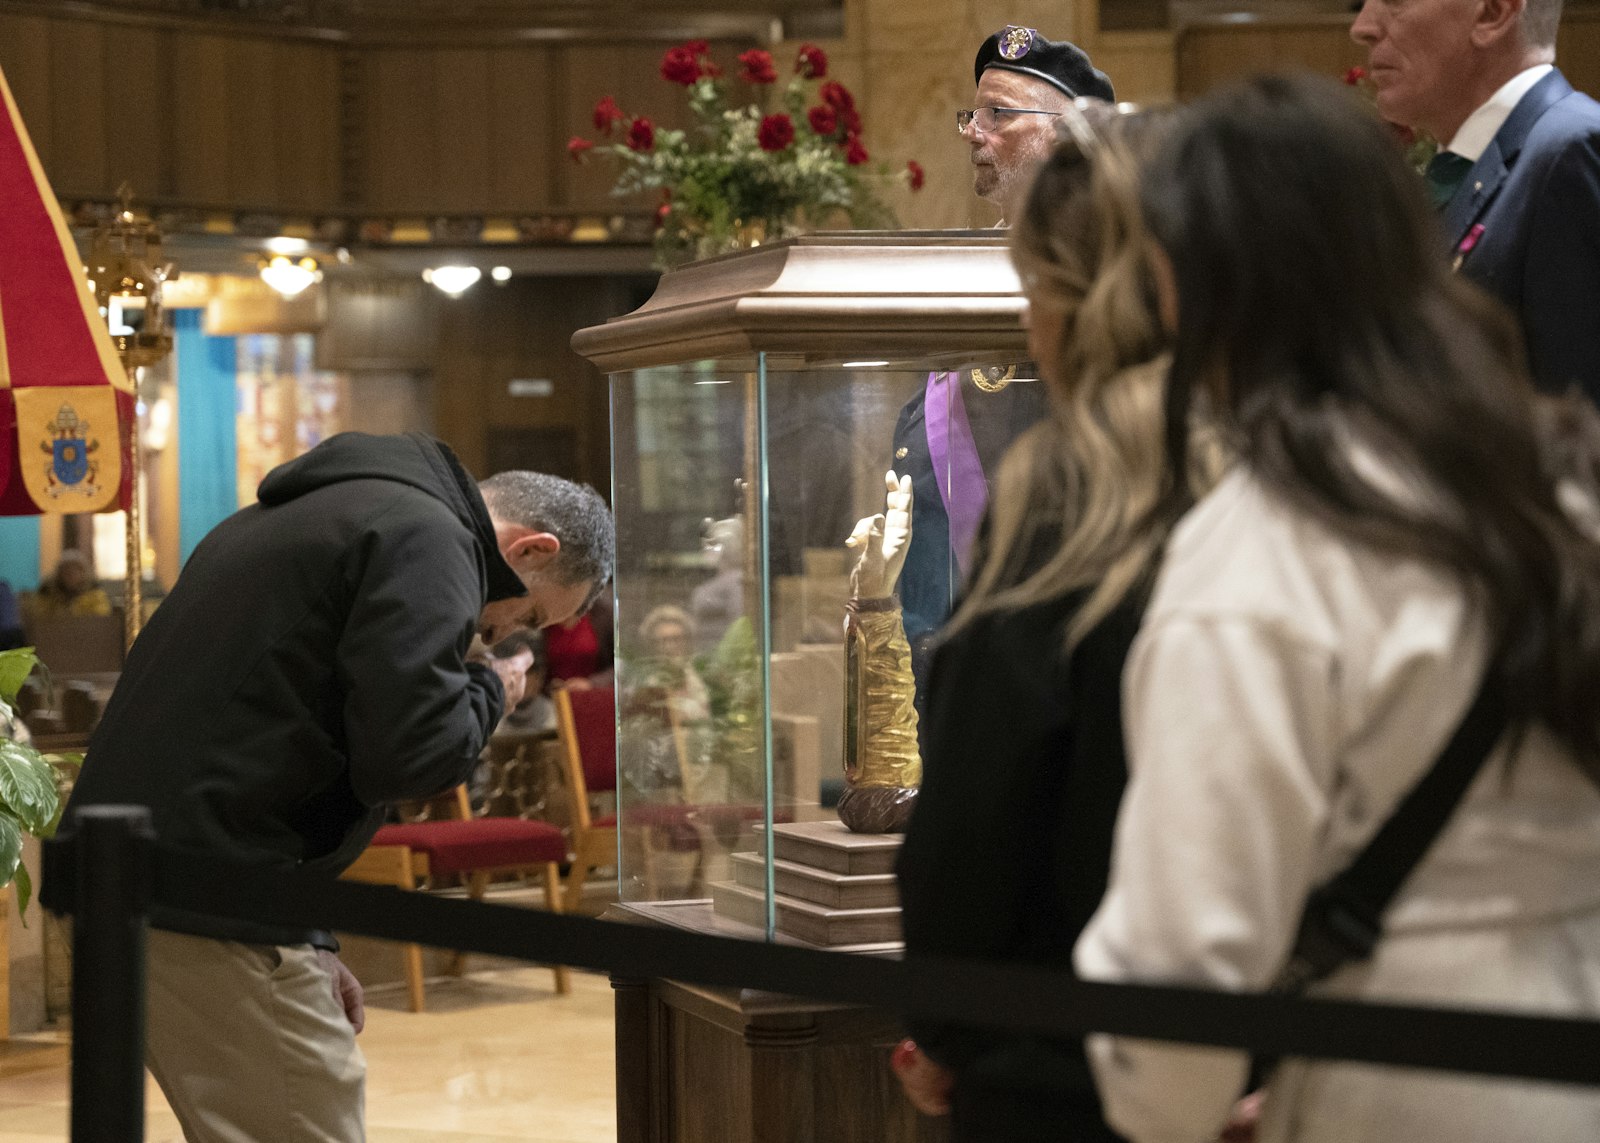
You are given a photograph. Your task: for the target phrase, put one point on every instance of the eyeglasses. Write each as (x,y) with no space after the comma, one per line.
(988,118)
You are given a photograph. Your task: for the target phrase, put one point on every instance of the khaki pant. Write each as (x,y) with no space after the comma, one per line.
(249,1044)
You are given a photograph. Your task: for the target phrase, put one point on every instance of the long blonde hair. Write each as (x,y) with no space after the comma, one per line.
(1074,499)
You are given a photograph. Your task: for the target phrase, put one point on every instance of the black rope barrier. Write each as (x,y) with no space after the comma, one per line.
(1018,998)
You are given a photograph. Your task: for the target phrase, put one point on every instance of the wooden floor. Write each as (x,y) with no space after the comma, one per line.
(497,1057)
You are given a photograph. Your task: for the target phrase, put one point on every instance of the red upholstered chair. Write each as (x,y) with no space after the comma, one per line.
(476,848)
(586,723)
(587,729)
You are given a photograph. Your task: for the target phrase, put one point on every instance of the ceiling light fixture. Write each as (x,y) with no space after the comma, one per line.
(289,277)
(453,280)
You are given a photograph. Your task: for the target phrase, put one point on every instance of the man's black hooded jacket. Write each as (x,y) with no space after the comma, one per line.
(309,667)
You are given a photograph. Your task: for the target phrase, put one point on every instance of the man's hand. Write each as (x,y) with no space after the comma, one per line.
(513,674)
(346,989)
(926,1084)
(1242,1123)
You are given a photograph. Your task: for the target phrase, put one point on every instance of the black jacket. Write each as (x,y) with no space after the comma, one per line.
(1008,852)
(309,666)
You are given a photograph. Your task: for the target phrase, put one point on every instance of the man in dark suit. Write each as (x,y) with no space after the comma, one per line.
(1518,178)
(950,437)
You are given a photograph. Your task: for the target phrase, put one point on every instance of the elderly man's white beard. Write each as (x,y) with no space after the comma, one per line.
(1008,185)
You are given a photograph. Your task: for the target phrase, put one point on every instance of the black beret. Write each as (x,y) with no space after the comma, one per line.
(1063,66)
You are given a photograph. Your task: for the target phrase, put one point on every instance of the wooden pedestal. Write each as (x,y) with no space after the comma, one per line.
(832,888)
(707,1065)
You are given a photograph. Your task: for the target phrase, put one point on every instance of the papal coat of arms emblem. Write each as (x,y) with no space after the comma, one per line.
(1015,42)
(72,468)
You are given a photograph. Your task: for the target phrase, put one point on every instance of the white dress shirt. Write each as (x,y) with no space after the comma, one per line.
(1285,691)
(1475,135)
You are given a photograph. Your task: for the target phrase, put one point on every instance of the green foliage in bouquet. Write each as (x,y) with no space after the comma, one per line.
(745,175)
(31,783)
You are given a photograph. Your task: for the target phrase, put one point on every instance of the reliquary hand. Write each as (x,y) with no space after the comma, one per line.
(883,541)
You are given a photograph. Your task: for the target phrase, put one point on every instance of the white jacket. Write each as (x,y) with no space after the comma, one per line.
(1287,688)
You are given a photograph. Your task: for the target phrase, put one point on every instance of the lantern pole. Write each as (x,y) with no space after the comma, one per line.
(133,537)
(128,273)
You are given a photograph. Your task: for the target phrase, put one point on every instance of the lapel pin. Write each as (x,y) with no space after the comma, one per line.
(1468,244)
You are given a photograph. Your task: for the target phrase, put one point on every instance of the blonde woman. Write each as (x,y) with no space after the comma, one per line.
(1006,855)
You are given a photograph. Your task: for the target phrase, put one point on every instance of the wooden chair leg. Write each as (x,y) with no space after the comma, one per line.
(477,886)
(576,876)
(396,865)
(552,900)
(413,959)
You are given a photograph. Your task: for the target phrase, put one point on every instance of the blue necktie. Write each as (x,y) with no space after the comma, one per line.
(1445,173)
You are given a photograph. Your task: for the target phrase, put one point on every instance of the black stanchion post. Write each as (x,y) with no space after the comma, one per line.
(113,862)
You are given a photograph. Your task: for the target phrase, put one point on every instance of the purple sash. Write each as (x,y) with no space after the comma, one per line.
(956,467)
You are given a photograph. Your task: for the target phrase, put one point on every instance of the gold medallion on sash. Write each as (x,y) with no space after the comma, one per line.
(993,378)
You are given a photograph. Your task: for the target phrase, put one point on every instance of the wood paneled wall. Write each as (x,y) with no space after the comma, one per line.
(252,120)
(245,121)
(211,120)
(1212,54)
(492,335)
(484,130)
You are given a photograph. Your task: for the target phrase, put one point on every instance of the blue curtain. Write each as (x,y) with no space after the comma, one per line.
(208,483)
(19,551)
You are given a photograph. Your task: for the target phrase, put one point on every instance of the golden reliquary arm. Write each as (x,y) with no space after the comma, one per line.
(882,765)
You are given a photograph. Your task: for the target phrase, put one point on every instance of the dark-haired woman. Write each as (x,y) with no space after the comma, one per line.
(1006,855)
(1323,619)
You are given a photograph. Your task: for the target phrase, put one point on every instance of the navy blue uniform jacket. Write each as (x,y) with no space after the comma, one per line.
(1536,193)
(930,580)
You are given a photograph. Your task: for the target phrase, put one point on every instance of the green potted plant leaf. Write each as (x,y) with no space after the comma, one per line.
(30,781)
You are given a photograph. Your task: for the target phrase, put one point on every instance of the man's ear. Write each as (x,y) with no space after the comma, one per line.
(1495,20)
(530,551)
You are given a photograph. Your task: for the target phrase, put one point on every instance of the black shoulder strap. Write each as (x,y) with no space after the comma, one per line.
(1344,917)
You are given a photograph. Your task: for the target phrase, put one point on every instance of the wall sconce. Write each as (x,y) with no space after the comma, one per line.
(453,280)
(290,277)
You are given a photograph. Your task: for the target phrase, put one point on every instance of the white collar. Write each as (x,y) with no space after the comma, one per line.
(1475,135)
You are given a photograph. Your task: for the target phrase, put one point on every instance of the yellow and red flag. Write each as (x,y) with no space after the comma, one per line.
(66,403)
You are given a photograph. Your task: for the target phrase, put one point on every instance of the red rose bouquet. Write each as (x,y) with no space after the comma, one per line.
(745,174)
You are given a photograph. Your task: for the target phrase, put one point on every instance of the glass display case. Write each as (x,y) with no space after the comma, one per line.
(758,400)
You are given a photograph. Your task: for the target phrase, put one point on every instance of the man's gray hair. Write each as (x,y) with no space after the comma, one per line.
(572,513)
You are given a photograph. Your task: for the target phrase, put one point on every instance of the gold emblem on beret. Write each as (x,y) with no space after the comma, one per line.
(1015,42)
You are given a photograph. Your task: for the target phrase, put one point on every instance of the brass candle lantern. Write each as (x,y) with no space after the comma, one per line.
(126,273)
